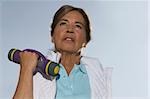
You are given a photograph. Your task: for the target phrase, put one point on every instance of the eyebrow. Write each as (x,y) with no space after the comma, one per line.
(75,22)
(64,20)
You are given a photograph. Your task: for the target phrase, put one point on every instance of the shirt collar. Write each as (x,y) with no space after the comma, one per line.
(80,66)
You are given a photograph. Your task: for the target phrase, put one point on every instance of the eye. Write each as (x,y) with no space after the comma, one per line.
(62,23)
(78,26)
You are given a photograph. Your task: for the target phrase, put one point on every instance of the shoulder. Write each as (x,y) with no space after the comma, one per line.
(87,58)
(39,80)
(43,88)
(92,62)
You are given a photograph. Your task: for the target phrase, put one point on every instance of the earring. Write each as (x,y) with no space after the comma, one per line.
(82,52)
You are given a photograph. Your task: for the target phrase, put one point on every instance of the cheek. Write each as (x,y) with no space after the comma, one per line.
(82,37)
(57,34)
(55,38)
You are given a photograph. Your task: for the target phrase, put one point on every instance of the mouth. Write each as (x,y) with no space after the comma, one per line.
(69,39)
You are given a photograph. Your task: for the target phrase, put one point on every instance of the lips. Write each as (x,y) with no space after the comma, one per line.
(69,38)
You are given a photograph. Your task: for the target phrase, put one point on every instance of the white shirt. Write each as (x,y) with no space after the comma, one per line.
(100,87)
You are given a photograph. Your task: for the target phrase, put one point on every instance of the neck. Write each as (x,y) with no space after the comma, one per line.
(69,60)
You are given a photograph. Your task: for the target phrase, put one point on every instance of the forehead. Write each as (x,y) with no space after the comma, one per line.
(74,15)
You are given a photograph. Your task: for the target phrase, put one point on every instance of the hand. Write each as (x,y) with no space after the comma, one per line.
(28,61)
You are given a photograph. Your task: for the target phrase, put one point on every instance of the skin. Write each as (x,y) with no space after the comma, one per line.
(69,36)
(28,62)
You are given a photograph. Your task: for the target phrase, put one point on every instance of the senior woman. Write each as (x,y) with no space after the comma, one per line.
(81,77)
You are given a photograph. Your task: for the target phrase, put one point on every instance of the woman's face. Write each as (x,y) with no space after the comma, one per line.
(69,33)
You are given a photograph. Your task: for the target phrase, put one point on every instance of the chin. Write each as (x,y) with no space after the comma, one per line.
(69,51)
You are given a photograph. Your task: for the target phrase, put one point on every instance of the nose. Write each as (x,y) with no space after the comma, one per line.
(70,29)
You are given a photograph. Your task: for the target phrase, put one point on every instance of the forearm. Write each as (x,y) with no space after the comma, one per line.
(24,88)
